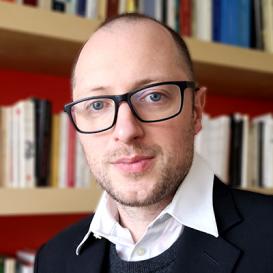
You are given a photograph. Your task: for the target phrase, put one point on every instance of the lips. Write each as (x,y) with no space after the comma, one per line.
(133,164)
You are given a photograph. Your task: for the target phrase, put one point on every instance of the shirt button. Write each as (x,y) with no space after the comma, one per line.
(140,251)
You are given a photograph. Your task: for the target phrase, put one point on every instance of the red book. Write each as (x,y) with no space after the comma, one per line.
(30,2)
(112,8)
(71,156)
(185,17)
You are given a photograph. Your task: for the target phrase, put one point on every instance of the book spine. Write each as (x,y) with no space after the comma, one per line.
(244,23)
(55,156)
(91,9)
(186,17)
(112,8)
(71,155)
(63,150)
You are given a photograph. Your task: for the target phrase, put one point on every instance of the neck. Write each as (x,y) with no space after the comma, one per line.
(136,219)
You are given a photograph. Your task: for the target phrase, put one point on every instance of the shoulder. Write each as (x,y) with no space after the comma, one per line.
(62,246)
(251,203)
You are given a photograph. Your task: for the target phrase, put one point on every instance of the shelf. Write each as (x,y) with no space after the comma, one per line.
(48,201)
(267,191)
(43,41)
(233,70)
(38,40)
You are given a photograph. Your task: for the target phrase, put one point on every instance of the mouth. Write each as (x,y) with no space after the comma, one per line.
(133,164)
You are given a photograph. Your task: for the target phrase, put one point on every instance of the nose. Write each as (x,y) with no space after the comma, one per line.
(127,128)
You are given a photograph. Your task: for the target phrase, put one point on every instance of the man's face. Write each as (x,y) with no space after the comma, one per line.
(137,163)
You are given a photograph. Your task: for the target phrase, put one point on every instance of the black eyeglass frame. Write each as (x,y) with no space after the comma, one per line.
(127,97)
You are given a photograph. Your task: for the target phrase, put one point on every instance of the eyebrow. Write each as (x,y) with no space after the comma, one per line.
(137,84)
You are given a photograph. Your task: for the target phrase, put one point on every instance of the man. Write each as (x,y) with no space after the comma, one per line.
(137,109)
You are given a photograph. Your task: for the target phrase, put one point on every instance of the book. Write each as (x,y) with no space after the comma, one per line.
(202,19)
(63,150)
(171,14)
(267,15)
(54,154)
(45,4)
(26,123)
(71,156)
(257,25)
(147,7)
(30,2)
(122,6)
(59,5)
(185,18)
(91,11)
(10,265)
(236,142)
(43,113)
(112,8)
(244,23)
(7,145)
(81,7)
(158,13)
(265,150)
(216,20)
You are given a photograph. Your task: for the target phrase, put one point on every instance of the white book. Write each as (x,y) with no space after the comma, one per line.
(45,4)
(219,139)
(267,15)
(158,10)
(245,147)
(266,149)
(9,265)
(27,144)
(252,164)
(7,146)
(91,11)
(15,139)
(82,171)
(63,150)
(202,19)
(70,6)
(122,6)
(171,14)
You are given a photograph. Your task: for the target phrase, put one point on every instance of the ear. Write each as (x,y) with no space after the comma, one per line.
(199,105)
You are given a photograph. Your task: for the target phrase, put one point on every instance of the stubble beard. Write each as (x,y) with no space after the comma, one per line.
(173,168)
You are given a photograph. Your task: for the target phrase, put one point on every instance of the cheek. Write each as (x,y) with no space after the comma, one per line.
(93,148)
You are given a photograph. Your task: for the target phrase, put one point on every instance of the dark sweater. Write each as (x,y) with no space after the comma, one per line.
(160,264)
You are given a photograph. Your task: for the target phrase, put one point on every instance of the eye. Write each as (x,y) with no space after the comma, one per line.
(154,97)
(96,105)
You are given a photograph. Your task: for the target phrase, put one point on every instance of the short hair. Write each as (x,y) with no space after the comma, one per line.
(179,41)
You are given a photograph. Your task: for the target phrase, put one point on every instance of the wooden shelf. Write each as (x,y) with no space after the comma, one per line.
(48,42)
(48,201)
(268,191)
(231,70)
(38,40)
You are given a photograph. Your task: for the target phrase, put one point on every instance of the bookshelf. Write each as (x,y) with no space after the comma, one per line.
(54,39)
(47,42)
(43,201)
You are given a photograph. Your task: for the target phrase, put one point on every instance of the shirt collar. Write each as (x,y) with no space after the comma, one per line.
(192,205)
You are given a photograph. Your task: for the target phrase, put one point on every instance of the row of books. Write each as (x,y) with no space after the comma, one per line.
(22,263)
(38,148)
(239,149)
(246,23)
(89,9)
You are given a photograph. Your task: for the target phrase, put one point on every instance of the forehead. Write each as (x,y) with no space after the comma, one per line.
(128,50)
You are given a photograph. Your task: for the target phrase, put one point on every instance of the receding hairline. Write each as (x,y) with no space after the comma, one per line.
(180,44)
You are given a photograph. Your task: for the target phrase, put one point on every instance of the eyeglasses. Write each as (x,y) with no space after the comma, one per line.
(151,103)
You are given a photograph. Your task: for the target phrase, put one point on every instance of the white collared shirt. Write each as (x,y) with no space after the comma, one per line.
(191,206)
